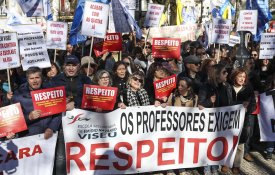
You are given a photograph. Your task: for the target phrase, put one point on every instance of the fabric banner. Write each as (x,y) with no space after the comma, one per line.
(184,32)
(166,47)
(50,101)
(32,46)
(31,7)
(165,86)
(125,140)
(112,42)
(247,21)
(99,97)
(267,116)
(9,52)
(95,19)
(28,155)
(12,119)
(56,35)
(153,15)
(220,31)
(267,46)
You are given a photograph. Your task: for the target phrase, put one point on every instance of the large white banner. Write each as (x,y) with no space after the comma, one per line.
(56,35)
(9,52)
(146,139)
(220,31)
(32,46)
(248,21)
(95,19)
(267,46)
(153,15)
(28,155)
(267,116)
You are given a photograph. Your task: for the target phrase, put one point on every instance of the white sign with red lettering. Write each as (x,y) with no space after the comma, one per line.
(248,21)
(267,46)
(56,35)
(95,19)
(125,140)
(220,31)
(9,52)
(153,15)
(28,155)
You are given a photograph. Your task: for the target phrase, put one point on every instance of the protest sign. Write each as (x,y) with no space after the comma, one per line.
(267,116)
(112,42)
(9,52)
(165,86)
(153,15)
(184,32)
(130,4)
(31,8)
(95,19)
(32,46)
(267,46)
(11,119)
(166,47)
(50,101)
(99,97)
(28,155)
(233,40)
(125,140)
(56,35)
(220,31)
(248,21)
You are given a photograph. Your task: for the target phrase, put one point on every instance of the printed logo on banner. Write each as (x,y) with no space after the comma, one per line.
(77,118)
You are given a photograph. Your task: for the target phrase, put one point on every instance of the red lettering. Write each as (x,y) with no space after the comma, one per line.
(36,150)
(24,151)
(94,156)
(162,150)
(224,150)
(181,150)
(10,156)
(141,154)
(122,155)
(196,142)
(75,157)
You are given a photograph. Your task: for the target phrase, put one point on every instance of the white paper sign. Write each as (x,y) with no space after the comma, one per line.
(233,40)
(28,155)
(130,4)
(95,19)
(267,117)
(125,140)
(9,52)
(56,35)
(267,46)
(153,15)
(32,46)
(220,31)
(248,21)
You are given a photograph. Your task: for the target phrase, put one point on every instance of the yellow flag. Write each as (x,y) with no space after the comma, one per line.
(179,12)
(163,19)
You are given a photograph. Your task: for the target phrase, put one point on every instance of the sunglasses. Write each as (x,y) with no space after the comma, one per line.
(147,47)
(137,79)
(197,64)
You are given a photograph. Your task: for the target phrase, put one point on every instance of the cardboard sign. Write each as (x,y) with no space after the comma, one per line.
(164,87)
(267,46)
(153,15)
(248,21)
(220,31)
(95,19)
(166,47)
(112,42)
(233,40)
(99,97)
(33,50)
(50,101)
(11,119)
(9,52)
(56,35)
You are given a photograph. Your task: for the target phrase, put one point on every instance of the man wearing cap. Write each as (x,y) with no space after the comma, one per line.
(88,66)
(73,82)
(192,65)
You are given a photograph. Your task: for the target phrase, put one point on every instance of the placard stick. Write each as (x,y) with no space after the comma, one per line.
(147,37)
(54,58)
(120,56)
(89,61)
(219,53)
(9,80)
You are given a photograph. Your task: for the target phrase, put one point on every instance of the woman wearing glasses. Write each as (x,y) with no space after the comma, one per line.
(134,94)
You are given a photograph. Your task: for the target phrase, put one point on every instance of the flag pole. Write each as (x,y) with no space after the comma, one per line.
(9,80)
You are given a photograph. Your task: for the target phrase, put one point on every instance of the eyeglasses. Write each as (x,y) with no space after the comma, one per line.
(224,72)
(137,79)
(106,78)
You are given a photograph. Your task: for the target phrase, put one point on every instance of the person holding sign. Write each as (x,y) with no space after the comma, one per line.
(22,95)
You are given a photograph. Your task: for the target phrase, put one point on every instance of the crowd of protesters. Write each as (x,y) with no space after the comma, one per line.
(207,77)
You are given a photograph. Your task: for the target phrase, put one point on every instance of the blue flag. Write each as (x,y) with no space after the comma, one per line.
(123,20)
(263,14)
(75,36)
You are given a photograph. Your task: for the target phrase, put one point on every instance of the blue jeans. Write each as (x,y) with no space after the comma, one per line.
(210,168)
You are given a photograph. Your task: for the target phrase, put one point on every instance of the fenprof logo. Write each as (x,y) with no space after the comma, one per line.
(78,117)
